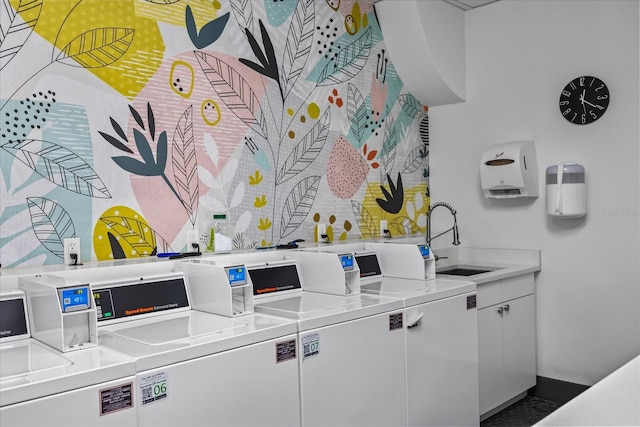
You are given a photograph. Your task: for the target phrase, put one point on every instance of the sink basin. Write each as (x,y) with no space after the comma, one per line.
(463,271)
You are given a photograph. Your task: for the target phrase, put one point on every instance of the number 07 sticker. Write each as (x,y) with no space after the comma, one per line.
(310,345)
(153,388)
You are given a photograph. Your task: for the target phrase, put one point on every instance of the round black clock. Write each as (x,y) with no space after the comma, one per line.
(584,100)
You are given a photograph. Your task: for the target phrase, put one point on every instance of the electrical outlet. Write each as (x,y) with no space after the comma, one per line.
(71,246)
(322,229)
(383,227)
(193,237)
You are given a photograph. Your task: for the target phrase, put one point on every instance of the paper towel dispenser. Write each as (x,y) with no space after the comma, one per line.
(509,170)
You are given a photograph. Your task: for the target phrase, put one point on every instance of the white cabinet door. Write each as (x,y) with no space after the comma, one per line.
(519,346)
(442,363)
(490,358)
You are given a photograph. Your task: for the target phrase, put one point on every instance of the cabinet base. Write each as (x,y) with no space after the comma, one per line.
(504,405)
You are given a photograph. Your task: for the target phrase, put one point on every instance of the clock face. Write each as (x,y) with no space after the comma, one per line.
(584,100)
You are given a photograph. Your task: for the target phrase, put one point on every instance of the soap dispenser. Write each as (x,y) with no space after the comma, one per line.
(566,190)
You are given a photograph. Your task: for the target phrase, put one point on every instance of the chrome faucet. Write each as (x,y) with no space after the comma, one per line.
(456,234)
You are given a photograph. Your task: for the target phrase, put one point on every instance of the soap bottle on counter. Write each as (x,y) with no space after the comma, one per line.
(220,234)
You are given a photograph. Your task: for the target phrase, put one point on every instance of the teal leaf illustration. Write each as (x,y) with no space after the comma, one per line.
(97,48)
(364,219)
(298,44)
(143,147)
(185,164)
(59,165)
(135,166)
(356,111)
(209,33)
(16,25)
(51,224)
(298,204)
(162,152)
(411,106)
(349,61)
(234,91)
(307,150)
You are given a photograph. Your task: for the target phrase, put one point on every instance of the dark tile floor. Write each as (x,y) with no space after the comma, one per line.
(524,413)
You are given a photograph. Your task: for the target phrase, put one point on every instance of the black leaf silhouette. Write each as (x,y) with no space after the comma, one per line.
(116,249)
(152,122)
(393,201)
(268,63)
(137,117)
(113,141)
(118,129)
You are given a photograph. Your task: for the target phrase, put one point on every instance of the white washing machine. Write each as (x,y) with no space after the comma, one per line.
(198,368)
(352,357)
(42,386)
(440,317)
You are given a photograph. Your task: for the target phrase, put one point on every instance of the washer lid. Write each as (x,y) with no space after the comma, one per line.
(176,337)
(413,292)
(313,310)
(28,357)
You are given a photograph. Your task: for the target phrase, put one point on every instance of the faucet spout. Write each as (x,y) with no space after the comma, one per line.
(454,228)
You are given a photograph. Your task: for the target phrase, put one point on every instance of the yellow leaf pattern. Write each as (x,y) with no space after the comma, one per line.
(264,224)
(260,201)
(255,179)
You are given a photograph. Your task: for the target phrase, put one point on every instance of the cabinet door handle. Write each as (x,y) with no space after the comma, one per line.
(500,310)
(506,307)
(415,321)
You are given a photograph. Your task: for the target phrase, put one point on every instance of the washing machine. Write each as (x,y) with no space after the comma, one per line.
(42,385)
(352,354)
(202,357)
(441,332)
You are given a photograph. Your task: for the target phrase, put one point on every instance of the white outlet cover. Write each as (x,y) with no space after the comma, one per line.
(71,245)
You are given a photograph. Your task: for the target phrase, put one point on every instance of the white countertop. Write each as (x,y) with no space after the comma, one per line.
(503,263)
(614,401)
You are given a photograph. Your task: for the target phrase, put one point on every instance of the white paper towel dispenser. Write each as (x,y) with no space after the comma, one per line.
(510,170)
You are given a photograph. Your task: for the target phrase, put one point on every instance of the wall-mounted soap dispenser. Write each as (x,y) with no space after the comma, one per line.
(510,170)
(566,190)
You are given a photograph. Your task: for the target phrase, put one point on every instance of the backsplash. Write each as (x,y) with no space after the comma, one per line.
(126,123)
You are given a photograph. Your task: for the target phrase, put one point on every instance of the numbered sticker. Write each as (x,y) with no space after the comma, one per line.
(310,345)
(153,388)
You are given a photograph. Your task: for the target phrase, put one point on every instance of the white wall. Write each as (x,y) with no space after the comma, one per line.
(520,55)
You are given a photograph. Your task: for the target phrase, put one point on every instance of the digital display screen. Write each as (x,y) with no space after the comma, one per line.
(424,250)
(275,279)
(140,298)
(347,261)
(73,299)
(237,275)
(13,319)
(368,265)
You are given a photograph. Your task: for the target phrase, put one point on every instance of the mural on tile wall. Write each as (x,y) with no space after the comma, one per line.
(126,123)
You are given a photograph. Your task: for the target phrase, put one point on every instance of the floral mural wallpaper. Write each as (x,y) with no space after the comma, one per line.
(126,123)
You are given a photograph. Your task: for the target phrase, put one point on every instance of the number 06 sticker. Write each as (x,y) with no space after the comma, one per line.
(153,388)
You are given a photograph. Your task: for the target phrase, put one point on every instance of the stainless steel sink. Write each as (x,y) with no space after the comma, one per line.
(463,271)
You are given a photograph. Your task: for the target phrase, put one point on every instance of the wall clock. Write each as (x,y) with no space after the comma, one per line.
(584,100)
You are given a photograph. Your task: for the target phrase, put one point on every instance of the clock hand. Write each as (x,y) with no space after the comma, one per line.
(585,101)
(582,100)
